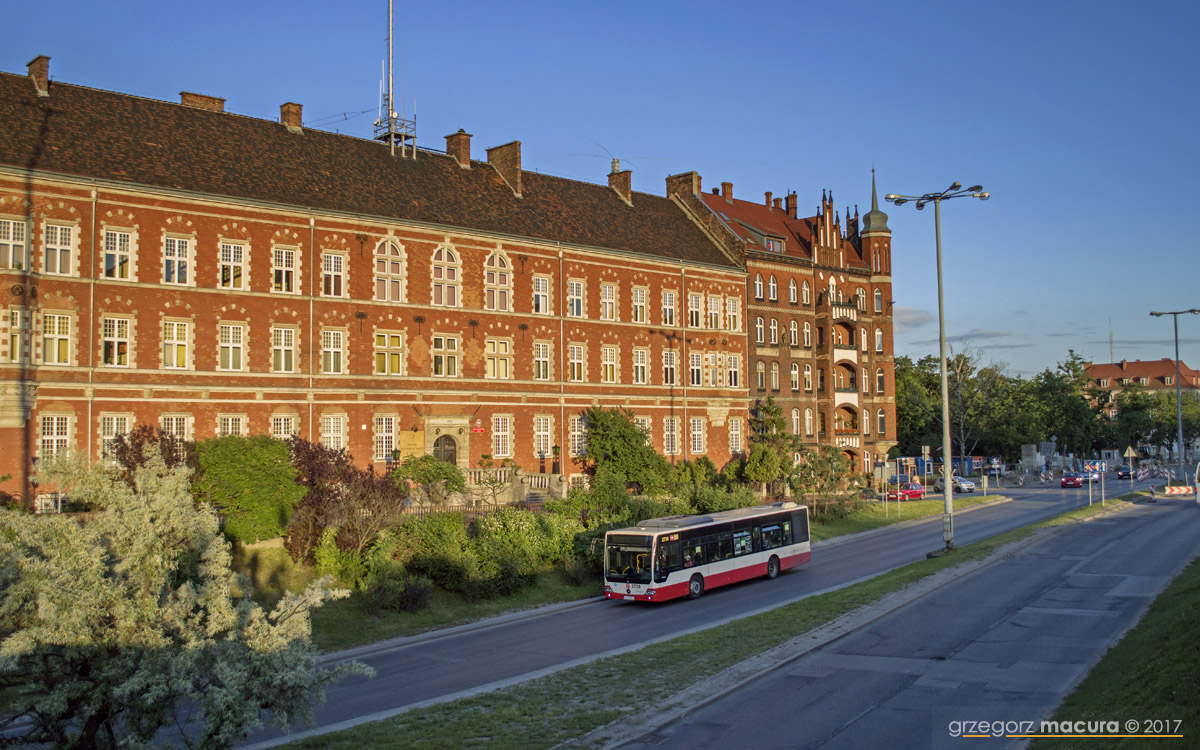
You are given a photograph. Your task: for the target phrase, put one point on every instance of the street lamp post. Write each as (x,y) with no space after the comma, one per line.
(1178,397)
(954,191)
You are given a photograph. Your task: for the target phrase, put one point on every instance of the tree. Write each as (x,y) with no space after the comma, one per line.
(825,475)
(496,477)
(135,622)
(918,404)
(616,443)
(1067,405)
(763,466)
(250,480)
(438,478)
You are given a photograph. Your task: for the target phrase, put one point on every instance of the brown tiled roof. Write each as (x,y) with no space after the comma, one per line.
(1156,373)
(104,135)
(775,222)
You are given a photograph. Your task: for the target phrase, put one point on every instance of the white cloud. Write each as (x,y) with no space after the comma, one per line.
(906,319)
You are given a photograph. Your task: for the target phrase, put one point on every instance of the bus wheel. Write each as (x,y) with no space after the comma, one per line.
(695,587)
(773,567)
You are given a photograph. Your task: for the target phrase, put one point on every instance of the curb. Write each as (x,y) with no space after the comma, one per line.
(833,542)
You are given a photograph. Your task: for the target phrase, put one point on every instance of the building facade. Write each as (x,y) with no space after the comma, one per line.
(176,265)
(1110,378)
(818,318)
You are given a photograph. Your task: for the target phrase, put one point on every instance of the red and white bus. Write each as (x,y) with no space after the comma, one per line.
(666,558)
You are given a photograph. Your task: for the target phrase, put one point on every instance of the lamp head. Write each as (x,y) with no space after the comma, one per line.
(954,187)
(981,196)
(1157,314)
(975,189)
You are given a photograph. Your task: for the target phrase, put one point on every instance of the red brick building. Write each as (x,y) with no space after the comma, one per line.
(818,318)
(210,273)
(1156,375)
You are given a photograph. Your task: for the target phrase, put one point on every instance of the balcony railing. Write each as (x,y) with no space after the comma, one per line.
(846,441)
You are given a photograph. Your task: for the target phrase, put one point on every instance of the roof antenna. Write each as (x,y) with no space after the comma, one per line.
(1111,358)
(391,127)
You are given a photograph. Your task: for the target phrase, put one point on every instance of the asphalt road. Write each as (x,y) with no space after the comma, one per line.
(428,669)
(1002,644)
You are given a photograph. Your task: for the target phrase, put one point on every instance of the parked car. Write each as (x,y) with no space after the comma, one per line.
(910,491)
(1124,472)
(1071,479)
(958,483)
(896,479)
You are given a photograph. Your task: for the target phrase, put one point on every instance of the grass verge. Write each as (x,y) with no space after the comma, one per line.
(1152,673)
(563,707)
(877,515)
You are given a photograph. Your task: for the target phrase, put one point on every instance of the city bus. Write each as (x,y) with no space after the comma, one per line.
(666,558)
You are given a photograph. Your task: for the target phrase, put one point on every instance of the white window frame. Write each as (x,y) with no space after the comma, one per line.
(176,349)
(445,272)
(758,286)
(695,309)
(333,431)
(283,349)
(229,425)
(878,340)
(795,420)
(115,337)
(333,351)
(541,295)
(608,364)
(384,436)
(807,335)
(118,246)
(805,293)
(808,422)
(444,360)
(639,309)
(808,379)
(389,353)
(502,437)
(231,347)
(333,274)
(792,291)
(670,367)
(793,334)
(878,300)
(391,277)
(671,436)
(668,307)
(56,338)
(733,314)
(735,435)
(577,434)
(543,435)
(177,260)
(881,416)
(111,427)
(284,426)
(497,282)
(733,370)
(55,437)
(772,289)
(695,369)
(542,357)
(774,376)
(285,270)
(232,266)
(576,298)
(714,312)
(608,301)
(497,355)
(58,249)
(760,336)
(14,245)
(795,376)
(576,363)
(641,366)
(698,435)
(178,426)
(774,332)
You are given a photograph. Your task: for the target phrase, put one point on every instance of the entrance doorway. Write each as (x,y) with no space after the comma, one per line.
(445,449)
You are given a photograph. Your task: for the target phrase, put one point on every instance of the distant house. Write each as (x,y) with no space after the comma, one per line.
(1113,377)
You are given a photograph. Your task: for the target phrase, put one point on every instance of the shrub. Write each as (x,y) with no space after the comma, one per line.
(250,481)
(579,572)
(395,590)
(442,550)
(346,566)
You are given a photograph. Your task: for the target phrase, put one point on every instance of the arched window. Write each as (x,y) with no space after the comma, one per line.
(882,431)
(879,339)
(759,335)
(774,332)
(808,334)
(792,291)
(808,378)
(774,376)
(772,289)
(761,372)
(793,334)
(758,286)
(795,377)
(808,425)
(866,381)
(867,424)
(860,299)
(389,272)
(795,421)
(497,282)
(879,382)
(833,290)
(805,294)
(862,338)
(445,277)
(878,300)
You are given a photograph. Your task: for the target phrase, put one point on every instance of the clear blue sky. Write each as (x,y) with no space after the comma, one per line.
(1079,117)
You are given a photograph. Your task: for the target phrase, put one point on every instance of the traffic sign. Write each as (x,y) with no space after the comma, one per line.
(1130,452)
(1095,466)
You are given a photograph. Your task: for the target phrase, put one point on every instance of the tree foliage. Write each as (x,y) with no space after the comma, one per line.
(135,621)
(617,444)
(437,479)
(250,481)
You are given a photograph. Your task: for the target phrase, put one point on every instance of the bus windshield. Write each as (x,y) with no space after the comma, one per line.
(627,558)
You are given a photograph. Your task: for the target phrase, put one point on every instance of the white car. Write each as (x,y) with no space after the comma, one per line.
(958,483)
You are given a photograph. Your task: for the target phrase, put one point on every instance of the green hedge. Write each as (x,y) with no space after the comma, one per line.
(251,482)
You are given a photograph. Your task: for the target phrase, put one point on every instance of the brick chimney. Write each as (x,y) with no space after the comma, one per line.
(767,199)
(39,73)
(290,116)
(621,181)
(791,205)
(458,145)
(727,191)
(777,204)
(507,161)
(202,101)
(683,185)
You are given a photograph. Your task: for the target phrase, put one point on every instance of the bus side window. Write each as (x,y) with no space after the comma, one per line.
(800,518)
(741,543)
(726,542)
(787,532)
(712,548)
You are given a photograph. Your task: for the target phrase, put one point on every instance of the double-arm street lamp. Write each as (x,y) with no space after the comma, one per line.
(1178,397)
(954,191)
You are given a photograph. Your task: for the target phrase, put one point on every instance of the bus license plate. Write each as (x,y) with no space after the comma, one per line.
(628,598)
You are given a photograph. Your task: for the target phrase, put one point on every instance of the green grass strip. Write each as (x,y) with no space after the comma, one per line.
(563,707)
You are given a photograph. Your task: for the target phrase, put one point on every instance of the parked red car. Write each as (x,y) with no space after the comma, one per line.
(1071,479)
(910,491)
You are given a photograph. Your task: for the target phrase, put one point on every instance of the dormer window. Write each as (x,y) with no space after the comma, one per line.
(1103,382)
(774,245)
(1144,381)
(1169,380)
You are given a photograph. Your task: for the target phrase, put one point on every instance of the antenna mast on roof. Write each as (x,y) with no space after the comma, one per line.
(390,127)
